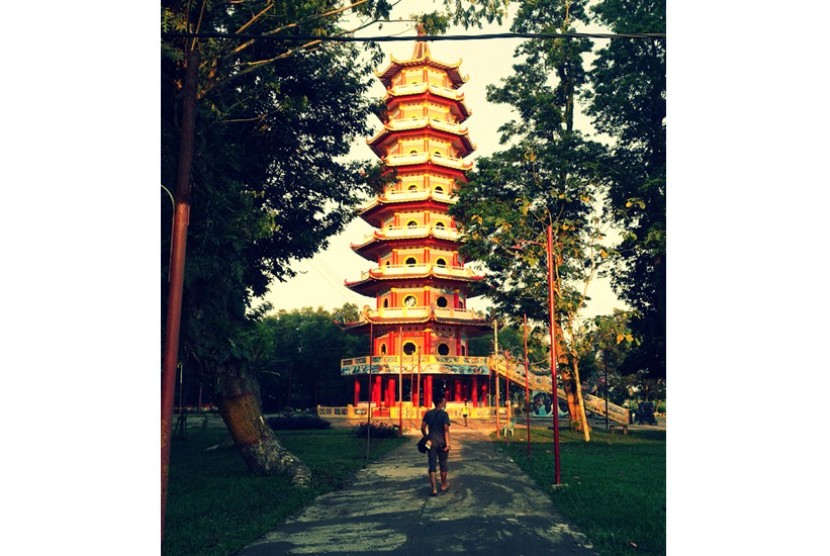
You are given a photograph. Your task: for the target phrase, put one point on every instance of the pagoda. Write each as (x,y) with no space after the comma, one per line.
(420,325)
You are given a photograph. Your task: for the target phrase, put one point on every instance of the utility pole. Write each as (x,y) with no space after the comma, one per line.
(181,217)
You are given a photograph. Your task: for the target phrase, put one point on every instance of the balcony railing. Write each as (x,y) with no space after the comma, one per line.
(423,311)
(418,88)
(429,364)
(416,123)
(422,158)
(402,270)
(403,232)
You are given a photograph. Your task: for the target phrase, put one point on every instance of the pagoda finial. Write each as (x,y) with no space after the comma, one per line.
(421,47)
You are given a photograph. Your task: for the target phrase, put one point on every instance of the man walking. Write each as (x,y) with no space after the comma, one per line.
(436,425)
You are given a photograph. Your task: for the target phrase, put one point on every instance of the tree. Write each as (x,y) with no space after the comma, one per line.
(269,185)
(546,177)
(628,102)
(273,122)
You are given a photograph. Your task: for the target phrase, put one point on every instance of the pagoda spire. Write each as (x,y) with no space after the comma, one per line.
(421,47)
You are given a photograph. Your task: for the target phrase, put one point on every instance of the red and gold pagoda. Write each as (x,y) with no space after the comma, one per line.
(420,325)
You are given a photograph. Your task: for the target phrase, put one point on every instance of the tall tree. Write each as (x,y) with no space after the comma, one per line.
(270,185)
(628,102)
(545,177)
(272,123)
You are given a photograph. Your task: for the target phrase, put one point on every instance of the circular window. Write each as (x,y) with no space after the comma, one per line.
(409,301)
(443,349)
(411,224)
(409,348)
(439,225)
(441,301)
(441,262)
(411,261)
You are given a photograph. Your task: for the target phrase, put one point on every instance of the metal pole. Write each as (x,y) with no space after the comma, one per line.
(369,407)
(400,383)
(527,388)
(554,394)
(605,361)
(418,391)
(181,216)
(496,360)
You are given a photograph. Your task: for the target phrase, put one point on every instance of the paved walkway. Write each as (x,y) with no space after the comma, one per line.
(492,507)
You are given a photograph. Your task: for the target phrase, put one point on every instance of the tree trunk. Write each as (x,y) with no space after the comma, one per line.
(237,398)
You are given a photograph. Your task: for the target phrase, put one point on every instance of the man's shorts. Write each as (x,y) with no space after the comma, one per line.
(434,455)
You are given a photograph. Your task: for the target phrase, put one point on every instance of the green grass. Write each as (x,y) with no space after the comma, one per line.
(614,487)
(215,507)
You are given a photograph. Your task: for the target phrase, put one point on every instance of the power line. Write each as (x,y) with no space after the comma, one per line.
(486,36)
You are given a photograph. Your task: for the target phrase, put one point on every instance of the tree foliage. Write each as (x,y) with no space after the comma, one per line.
(628,102)
(299,364)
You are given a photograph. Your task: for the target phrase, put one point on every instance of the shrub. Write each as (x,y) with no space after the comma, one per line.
(294,422)
(376,430)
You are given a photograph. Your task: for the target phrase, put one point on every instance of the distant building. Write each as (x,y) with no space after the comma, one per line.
(420,325)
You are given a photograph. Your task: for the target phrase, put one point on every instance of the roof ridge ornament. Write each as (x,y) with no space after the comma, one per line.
(421,47)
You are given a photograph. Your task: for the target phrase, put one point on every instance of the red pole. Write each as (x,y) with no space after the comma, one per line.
(371,390)
(554,394)
(181,216)
(400,386)
(527,389)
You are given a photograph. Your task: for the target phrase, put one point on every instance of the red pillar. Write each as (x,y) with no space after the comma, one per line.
(356,391)
(376,390)
(428,391)
(474,391)
(484,394)
(457,394)
(390,392)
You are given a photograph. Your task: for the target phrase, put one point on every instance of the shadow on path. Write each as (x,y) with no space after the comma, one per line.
(492,507)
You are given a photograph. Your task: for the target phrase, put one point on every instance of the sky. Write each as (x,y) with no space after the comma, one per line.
(320,279)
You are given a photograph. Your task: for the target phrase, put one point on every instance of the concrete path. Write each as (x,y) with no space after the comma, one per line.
(492,507)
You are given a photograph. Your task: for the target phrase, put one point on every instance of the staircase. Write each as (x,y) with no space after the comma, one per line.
(514,371)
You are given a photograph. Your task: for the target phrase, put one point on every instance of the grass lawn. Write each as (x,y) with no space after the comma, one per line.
(215,507)
(614,487)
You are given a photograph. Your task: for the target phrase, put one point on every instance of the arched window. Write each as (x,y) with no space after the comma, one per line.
(439,189)
(439,225)
(413,187)
(441,262)
(411,261)
(386,303)
(383,349)
(443,349)
(413,151)
(409,348)
(437,154)
(441,301)
(411,224)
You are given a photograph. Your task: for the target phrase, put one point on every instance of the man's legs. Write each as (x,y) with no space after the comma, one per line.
(432,456)
(442,460)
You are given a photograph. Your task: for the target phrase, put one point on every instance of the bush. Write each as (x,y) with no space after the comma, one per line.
(294,422)
(376,430)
